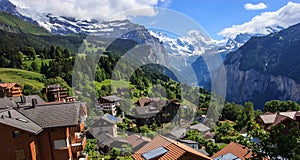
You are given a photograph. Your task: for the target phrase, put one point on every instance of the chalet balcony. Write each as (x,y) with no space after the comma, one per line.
(108,108)
(78,128)
(79,145)
(15,91)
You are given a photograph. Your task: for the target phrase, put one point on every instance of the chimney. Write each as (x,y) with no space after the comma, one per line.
(9,114)
(23,99)
(34,103)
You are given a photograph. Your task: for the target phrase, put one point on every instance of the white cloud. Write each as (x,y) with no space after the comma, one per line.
(259,6)
(88,9)
(284,17)
(165,3)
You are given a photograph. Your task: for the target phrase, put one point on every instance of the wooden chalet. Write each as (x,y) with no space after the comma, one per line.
(10,90)
(57,93)
(269,120)
(155,110)
(108,104)
(34,131)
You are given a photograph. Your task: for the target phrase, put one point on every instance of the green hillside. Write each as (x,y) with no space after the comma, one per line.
(17,34)
(14,24)
(23,77)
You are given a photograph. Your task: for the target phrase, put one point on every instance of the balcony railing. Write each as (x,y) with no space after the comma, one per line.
(78,128)
(78,146)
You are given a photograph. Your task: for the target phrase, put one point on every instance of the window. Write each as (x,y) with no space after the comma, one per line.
(60,144)
(16,134)
(20,154)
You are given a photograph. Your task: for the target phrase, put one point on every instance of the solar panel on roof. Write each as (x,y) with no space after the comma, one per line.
(154,153)
(111,117)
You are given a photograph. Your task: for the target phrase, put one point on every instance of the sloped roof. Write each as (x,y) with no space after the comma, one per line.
(268,119)
(227,156)
(29,99)
(109,118)
(177,133)
(290,114)
(106,139)
(43,115)
(143,101)
(145,111)
(275,118)
(8,85)
(56,115)
(235,149)
(200,127)
(14,101)
(136,140)
(20,121)
(175,149)
(112,98)
(187,141)
(7,102)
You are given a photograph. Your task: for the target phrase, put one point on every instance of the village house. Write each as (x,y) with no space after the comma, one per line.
(108,104)
(155,110)
(177,133)
(106,142)
(35,130)
(164,148)
(105,124)
(10,90)
(137,141)
(200,127)
(104,130)
(57,93)
(269,120)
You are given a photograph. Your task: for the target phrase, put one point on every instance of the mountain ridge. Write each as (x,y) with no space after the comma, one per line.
(11,23)
(265,68)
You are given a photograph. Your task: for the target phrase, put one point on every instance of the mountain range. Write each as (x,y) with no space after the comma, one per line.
(258,67)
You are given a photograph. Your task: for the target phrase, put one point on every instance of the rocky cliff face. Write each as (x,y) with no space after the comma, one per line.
(253,85)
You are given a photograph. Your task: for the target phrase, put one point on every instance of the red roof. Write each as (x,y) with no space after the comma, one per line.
(7,85)
(236,149)
(176,150)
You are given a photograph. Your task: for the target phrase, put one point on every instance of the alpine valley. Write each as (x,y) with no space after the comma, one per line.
(259,67)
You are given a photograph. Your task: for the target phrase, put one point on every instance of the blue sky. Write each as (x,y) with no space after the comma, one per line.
(215,15)
(220,18)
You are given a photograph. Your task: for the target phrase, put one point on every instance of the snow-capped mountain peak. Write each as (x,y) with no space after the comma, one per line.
(192,44)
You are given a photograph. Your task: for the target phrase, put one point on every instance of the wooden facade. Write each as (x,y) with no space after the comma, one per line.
(51,131)
(51,144)
(57,93)
(18,147)
(109,104)
(10,90)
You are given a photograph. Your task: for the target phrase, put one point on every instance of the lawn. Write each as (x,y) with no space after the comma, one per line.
(23,77)
(116,84)
(38,61)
